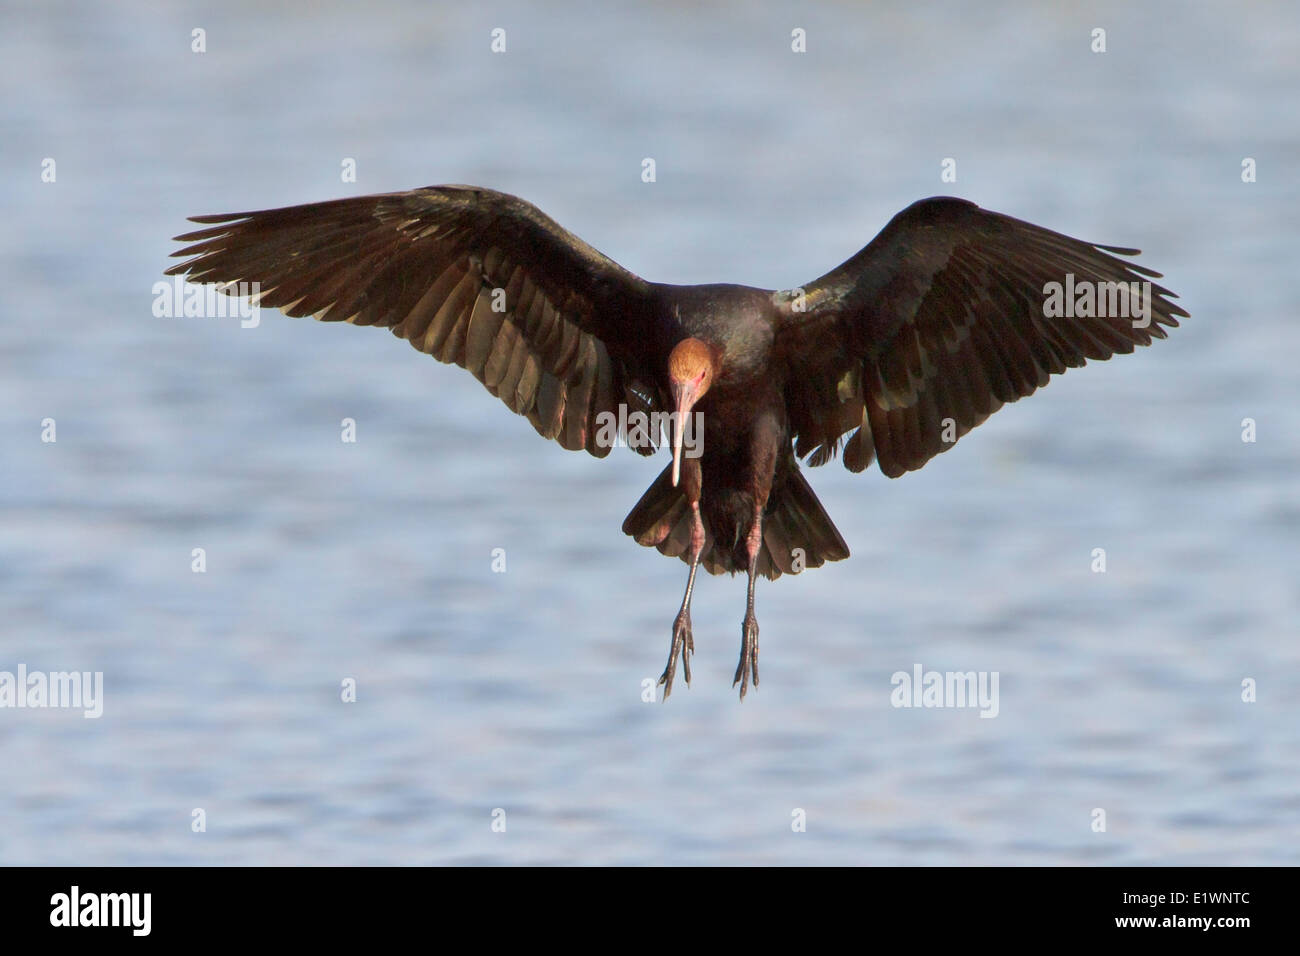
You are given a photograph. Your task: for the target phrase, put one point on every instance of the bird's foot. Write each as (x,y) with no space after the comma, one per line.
(683,646)
(747,669)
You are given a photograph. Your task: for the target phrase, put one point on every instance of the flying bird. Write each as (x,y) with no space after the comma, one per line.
(950,312)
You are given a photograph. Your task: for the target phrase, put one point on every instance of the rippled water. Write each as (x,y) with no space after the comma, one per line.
(522,691)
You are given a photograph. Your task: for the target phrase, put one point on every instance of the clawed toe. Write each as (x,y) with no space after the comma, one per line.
(747,669)
(684,646)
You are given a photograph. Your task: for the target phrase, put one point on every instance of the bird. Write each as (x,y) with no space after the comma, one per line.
(949,313)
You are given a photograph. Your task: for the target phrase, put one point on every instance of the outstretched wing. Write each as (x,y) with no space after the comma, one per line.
(945,316)
(468,275)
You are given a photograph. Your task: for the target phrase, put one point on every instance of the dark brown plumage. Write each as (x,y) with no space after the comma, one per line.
(892,356)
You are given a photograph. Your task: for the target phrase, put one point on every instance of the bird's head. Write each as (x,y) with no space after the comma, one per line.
(692,365)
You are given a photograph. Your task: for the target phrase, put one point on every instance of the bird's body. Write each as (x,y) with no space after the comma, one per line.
(893,356)
(746,428)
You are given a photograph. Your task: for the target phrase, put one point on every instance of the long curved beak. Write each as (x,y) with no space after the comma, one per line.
(684,398)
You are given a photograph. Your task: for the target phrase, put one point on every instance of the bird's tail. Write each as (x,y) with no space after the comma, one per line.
(797,532)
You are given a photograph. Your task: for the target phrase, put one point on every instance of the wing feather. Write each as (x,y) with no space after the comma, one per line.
(940,321)
(468,275)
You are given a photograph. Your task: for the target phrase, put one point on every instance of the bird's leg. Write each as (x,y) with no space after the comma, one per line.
(748,666)
(683,641)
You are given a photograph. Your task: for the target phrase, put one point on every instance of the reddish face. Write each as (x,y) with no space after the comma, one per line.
(691,367)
